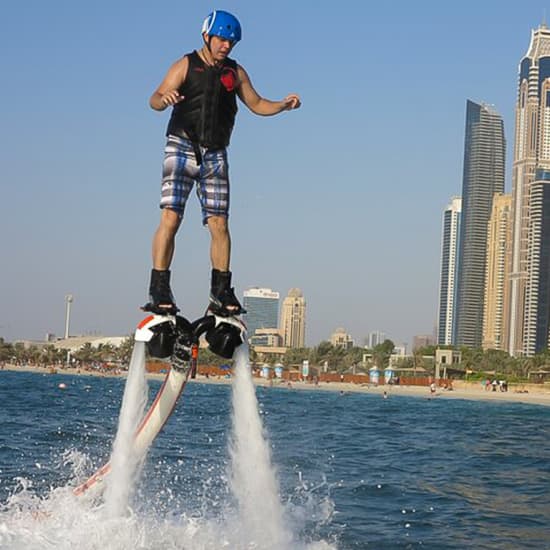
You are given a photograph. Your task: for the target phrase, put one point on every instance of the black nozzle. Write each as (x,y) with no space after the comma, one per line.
(224,339)
(161,344)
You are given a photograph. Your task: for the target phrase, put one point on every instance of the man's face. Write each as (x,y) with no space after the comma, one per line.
(220,47)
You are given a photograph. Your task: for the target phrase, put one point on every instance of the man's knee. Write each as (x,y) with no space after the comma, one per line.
(170,220)
(218,225)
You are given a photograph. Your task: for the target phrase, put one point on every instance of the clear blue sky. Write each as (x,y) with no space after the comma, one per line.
(342,198)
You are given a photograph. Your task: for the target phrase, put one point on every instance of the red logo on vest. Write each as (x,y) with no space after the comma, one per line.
(229,78)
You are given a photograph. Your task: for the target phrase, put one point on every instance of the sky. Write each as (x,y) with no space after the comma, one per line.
(342,198)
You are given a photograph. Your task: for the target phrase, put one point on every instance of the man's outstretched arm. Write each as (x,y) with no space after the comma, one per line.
(259,105)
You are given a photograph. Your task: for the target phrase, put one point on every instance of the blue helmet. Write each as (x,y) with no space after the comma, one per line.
(223,24)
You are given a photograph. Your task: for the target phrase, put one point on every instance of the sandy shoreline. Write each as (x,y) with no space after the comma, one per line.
(529,394)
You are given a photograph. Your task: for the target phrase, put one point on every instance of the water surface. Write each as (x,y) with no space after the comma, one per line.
(355,470)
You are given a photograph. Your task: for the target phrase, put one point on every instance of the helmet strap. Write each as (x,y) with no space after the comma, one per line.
(207,42)
(210,61)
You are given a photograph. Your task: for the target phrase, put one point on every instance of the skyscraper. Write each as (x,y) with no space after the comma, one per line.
(537,296)
(449,258)
(483,176)
(262,309)
(293,319)
(531,152)
(499,238)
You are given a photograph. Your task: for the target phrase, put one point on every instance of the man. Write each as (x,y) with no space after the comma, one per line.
(202,88)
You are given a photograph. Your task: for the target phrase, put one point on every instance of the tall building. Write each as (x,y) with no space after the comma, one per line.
(531,152)
(262,309)
(374,338)
(447,284)
(483,176)
(537,296)
(293,319)
(499,238)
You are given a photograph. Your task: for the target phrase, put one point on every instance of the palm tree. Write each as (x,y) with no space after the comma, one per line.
(123,353)
(6,350)
(86,354)
(295,356)
(381,353)
(51,355)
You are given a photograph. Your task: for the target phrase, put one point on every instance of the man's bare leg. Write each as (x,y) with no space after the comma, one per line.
(220,243)
(164,240)
(222,297)
(161,299)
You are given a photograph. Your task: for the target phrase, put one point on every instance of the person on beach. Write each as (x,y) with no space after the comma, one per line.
(202,89)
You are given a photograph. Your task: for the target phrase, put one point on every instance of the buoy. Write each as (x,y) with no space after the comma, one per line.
(62,386)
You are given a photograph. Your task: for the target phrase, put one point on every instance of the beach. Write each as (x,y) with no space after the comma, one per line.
(533,394)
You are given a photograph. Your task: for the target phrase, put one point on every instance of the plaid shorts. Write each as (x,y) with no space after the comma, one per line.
(180,171)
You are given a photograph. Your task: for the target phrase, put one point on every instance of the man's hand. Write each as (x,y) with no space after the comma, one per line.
(171,98)
(167,93)
(292,101)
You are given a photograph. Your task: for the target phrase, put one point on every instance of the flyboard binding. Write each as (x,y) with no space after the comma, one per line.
(173,337)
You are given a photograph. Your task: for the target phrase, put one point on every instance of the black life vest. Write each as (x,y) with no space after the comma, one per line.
(207,114)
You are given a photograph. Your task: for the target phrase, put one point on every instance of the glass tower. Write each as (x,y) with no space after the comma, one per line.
(531,164)
(447,285)
(483,176)
(537,299)
(262,309)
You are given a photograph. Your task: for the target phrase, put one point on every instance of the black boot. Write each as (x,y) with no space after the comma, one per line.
(161,299)
(223,301)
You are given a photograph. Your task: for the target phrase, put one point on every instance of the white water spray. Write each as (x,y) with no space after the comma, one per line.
(253,477)
(125,459)
(61,521)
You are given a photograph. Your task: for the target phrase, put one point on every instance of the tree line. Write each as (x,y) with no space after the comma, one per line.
(474,362)
(48,354)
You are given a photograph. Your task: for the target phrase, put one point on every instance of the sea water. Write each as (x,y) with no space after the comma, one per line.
(351,470)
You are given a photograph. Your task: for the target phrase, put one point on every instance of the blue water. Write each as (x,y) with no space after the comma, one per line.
(355,470)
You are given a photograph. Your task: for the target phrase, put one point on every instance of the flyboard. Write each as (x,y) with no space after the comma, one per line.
(173,337)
